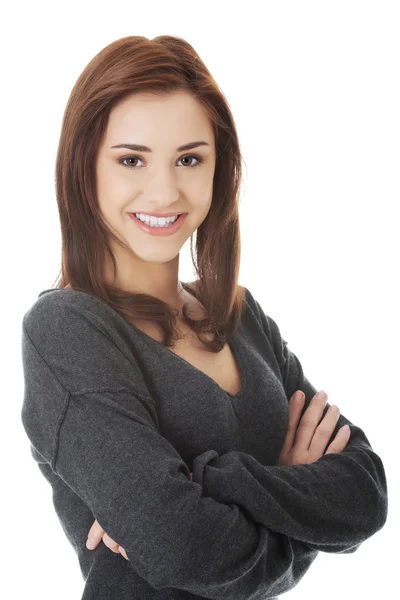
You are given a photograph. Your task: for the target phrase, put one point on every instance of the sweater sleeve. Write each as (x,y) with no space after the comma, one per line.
(106,446)
(331,505)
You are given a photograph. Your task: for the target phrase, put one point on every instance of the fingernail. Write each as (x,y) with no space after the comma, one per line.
(299,395)
(89,544)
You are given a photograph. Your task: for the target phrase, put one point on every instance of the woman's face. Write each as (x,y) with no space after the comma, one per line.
(163,180)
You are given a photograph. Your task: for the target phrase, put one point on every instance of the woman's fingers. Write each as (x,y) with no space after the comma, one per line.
(323,432)
(110,543)
(310,420)
(95,535)
(296,404)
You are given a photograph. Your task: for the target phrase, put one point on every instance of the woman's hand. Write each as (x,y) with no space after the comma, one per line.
(306,441)
(96,534)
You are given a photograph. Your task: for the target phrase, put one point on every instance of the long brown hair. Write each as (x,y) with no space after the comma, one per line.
(130,65)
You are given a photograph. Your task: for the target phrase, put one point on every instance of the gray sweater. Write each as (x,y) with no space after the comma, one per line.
(117,422)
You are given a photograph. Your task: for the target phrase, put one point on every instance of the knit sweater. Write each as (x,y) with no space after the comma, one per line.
(116,422)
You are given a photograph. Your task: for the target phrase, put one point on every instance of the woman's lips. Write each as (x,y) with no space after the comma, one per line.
(159,231)
(158,215)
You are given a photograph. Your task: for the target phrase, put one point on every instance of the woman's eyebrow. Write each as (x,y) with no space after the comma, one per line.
(139,148)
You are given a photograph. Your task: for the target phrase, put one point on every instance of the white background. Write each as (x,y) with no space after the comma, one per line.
(314,90)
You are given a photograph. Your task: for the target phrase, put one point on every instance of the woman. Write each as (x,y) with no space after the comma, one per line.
(165,414)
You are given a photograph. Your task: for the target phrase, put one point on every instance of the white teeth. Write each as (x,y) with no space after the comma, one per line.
(155,221)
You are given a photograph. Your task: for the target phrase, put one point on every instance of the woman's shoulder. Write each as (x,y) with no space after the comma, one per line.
(86,343)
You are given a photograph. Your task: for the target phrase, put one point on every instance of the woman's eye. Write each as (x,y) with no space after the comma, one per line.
(198,160)
(129,158)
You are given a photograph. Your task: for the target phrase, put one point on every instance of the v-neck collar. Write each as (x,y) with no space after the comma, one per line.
(236,350)
(234,345)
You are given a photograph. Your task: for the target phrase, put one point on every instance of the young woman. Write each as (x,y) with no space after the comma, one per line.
(171,419)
